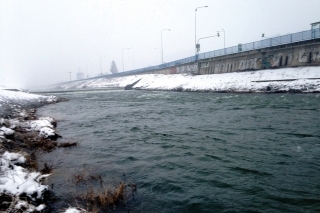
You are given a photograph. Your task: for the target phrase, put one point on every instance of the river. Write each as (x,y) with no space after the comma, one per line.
(192,152)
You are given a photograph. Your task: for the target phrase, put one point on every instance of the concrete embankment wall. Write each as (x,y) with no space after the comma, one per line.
(291,55)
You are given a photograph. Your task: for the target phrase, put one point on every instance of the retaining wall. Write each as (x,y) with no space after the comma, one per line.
(291,55)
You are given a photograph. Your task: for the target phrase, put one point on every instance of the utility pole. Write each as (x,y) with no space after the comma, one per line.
(195,28)
(122,58)
(100,64)
(162,46)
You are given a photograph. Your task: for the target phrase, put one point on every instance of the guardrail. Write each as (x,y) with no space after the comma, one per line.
(269,42)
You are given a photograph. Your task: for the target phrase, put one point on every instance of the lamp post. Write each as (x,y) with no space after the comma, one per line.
(132,62)
(162,45)
(158,49)
(122,58)
(204,38)
(100,64)
(195,27)
(87,70)
(224,39)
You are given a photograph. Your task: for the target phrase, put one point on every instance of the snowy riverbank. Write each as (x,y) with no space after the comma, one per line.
(21,135)
(300,79)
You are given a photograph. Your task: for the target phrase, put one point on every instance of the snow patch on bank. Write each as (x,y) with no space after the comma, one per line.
(305,79)
(16,180)
(12,102)
(6,131)
(18,96)
(44,125)
(75,210)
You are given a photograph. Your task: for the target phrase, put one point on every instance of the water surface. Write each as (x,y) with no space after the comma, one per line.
(194,152)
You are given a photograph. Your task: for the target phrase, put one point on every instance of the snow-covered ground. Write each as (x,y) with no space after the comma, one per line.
(12,101)
(302,79)
(15,179)
(23,97)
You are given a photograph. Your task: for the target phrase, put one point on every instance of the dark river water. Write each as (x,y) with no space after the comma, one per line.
(192,152)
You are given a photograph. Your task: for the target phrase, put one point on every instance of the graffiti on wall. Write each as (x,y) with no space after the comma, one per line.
(187,68)
(302,56)
(249,64)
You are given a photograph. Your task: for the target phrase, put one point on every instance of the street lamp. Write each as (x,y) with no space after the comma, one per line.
(158,49)
(198,45)
(122,58)
(100,64)
(195,27)
(132,61)
(224,38)
(162,45)
(87,70)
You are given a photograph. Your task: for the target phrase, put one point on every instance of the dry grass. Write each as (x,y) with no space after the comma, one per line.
(42,144)
(68,144)
(10,146)
(31,162)
(30,141)
(96,196)
(84,176)
(105,197)
(47,168)
(80,177)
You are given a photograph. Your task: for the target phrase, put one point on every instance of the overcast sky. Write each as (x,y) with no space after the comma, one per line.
(41,41)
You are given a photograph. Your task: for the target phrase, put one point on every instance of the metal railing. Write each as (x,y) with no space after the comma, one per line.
(269,42)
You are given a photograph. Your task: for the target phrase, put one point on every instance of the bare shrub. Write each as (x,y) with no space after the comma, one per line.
(104,197)
(84,176)
(47,168)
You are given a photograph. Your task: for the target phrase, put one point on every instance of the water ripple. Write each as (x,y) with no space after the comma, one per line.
(195,152)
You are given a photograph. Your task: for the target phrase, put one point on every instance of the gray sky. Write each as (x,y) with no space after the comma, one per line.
(41,41)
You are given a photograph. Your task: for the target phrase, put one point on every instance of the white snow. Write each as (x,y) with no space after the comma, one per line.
(75,210)
(72,210)
(46,132)
(50,120)
(13,157)
(22,96)
(40,207)
(27,207)
(306,79)
(43,125)
(6,131)
(37,125)
(15,180)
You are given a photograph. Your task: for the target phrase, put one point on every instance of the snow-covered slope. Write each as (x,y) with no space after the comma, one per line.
(14,100)
(304,79)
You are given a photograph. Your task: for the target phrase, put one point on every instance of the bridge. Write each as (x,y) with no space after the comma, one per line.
(297,49)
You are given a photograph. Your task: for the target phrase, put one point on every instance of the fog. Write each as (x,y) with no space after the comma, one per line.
(42,41)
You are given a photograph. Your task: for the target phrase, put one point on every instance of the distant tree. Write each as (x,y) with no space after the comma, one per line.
(113,68)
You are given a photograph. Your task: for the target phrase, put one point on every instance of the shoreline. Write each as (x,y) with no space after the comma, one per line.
(24,138)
